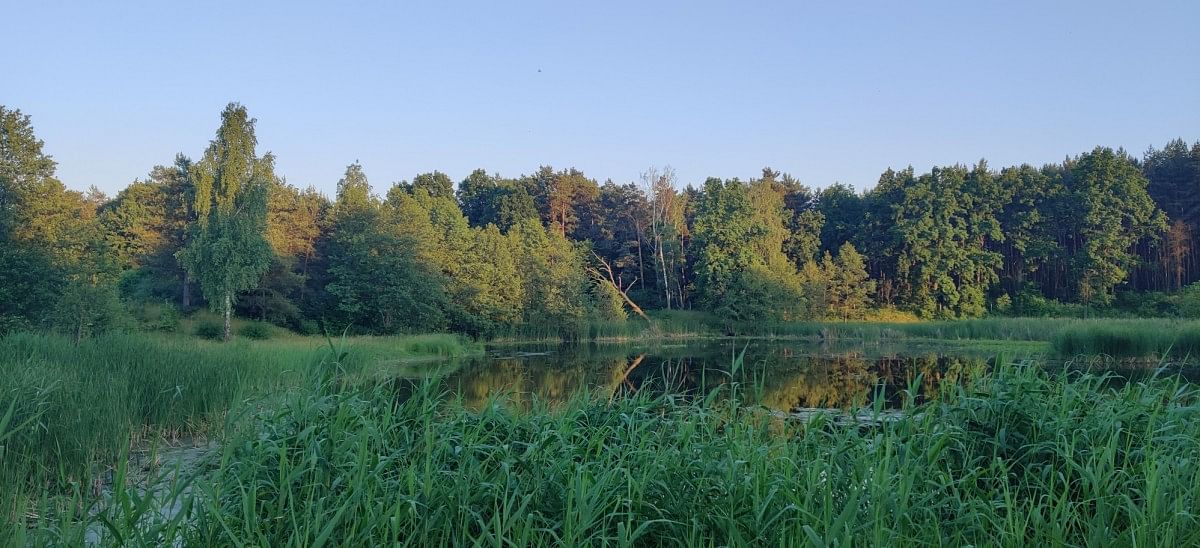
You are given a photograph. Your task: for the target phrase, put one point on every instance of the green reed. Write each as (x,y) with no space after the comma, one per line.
(1023,457)
(69,413)
(1130,339)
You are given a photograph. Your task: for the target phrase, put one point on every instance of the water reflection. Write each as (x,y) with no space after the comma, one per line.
(783,377)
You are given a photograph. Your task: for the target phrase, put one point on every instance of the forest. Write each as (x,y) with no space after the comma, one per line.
(1101,233)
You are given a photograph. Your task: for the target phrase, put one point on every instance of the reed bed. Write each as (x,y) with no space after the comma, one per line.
(1146,334)
(1132,339)
(70,412)
(1023,457)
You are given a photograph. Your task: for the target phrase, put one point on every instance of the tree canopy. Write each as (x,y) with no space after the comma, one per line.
(555,249)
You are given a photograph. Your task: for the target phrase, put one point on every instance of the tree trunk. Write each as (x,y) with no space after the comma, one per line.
(641,262)
(186,298)
(228,313)
(632,305)
(666,280)
(611,279)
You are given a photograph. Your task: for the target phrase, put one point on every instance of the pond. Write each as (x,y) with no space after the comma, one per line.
(784,376)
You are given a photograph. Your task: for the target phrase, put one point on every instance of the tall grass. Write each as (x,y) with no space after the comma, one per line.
(73,410)
(703,325)
(1129,339)
(1015,329)
(1023,458)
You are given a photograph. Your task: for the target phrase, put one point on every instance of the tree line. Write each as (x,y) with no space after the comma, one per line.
(559,249)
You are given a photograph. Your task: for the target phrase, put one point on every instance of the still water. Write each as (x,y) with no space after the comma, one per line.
(784,376)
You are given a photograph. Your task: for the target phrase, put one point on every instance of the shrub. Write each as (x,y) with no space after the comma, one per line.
(306,327)
(1150,304)
(891,315)
(1033,304)
(1003,305)
(255,330)
(157,317)
(609,304)
(210,329)
(86,310)
(145,284)
(1189,301)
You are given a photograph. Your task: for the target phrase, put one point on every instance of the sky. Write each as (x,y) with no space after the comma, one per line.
(826,91)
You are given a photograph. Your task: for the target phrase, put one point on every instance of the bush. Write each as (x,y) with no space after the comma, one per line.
(1150,304)
(1003,305)
(145,284)
(157,317)
(255,330)
(86,310)
(889,314)
(306,327)
(610,307)
(210,329)
(1189,301)
(1032,304)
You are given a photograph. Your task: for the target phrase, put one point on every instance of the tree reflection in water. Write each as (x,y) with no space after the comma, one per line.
(784,377)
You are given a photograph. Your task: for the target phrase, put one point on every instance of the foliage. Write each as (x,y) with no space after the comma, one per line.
(150,316)
(228,251)
(86,310)
(741,269)
(375,281)
(1189,305)
(1033,304)
(609,304)
(1097,234)
(257,331)
(209,329)
(1003,305)
(1114,212)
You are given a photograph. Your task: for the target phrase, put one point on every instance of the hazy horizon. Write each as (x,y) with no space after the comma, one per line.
(827,94)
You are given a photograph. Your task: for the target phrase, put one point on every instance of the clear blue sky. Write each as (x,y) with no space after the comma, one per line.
(829,91)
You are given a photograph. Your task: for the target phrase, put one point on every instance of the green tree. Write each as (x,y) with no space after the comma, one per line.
(555,281)
(294,220)
(665,234)
(815,288)
(374,279)
(489,199)
(619,238)
(850,287)
(804,219)
(491,292)
(941,225)
(742,272)
(1112,211)
(376,282)
(1174,176)
(135,223)
(844,214)
(562,197)
(24,168)
(48,234)
(228,252)
(145,226)
(1029,246)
